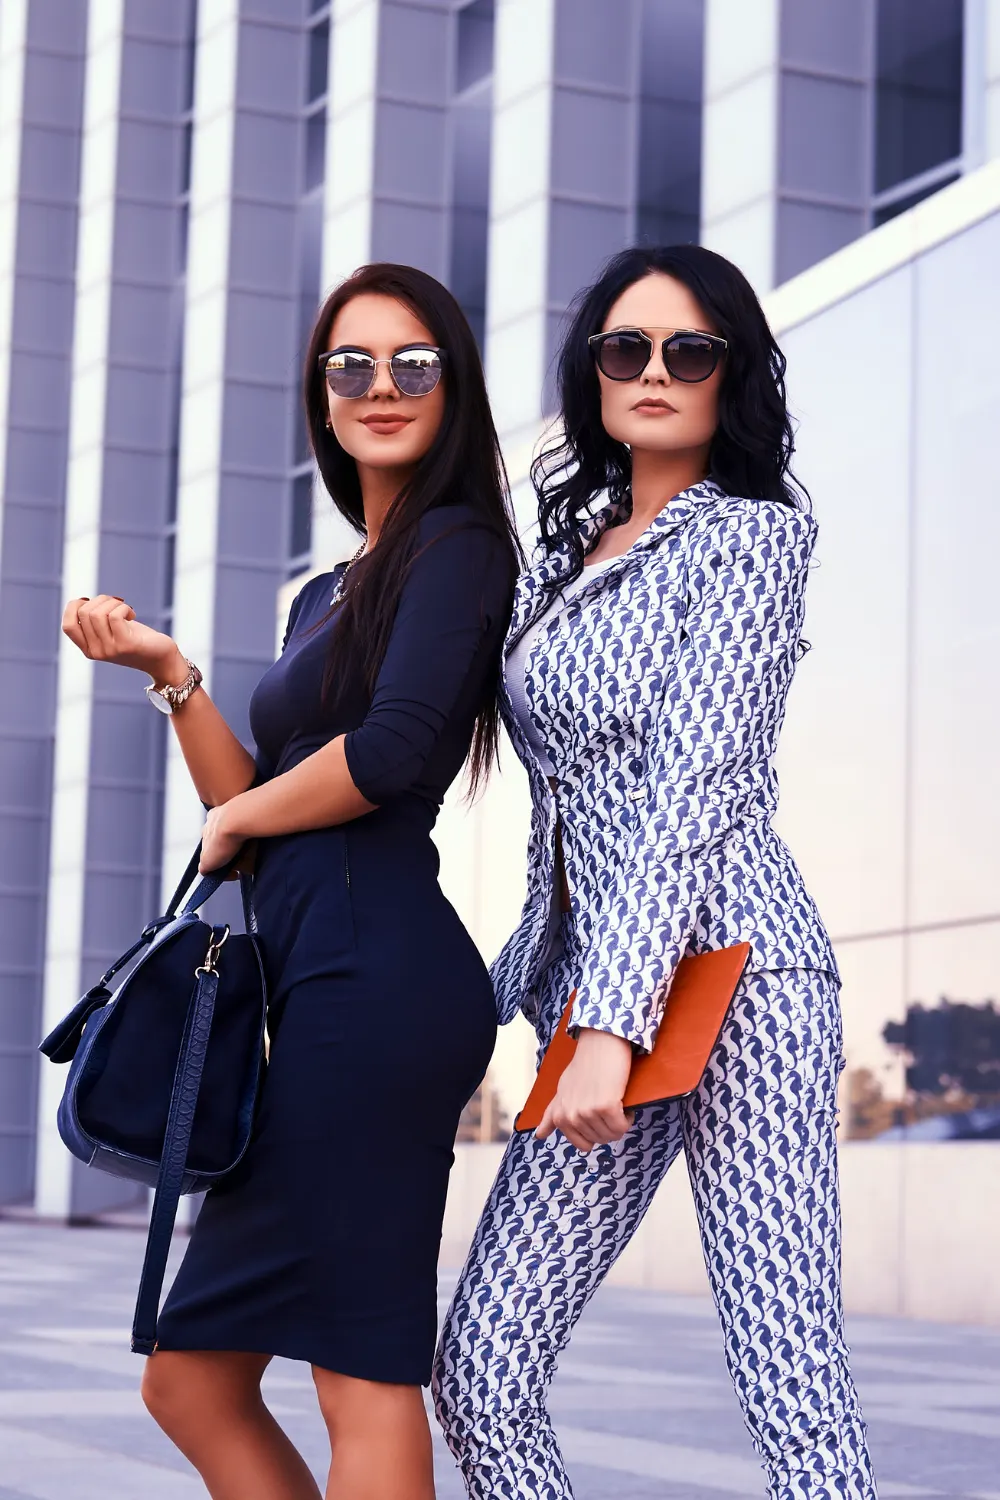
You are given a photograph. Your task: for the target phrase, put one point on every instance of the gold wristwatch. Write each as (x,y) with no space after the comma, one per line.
(168,699)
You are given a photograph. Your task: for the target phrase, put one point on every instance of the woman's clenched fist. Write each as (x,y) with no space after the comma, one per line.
(106,629)
(587,1107)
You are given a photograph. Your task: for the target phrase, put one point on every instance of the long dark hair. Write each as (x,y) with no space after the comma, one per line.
(462,464)
(753,443)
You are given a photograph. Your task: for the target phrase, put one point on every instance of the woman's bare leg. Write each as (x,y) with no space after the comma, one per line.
(379,1438)
(210,1405)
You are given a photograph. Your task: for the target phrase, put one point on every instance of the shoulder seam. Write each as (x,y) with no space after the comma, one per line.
(769,513)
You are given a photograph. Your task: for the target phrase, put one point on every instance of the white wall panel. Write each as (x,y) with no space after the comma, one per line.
(955,869)
(843,753)
(740,40)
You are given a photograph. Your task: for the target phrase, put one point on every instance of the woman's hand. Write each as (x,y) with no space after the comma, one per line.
(106,629)
(587,1107)
(219,843)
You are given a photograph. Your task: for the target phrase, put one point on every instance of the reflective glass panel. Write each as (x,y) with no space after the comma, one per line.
(918,112)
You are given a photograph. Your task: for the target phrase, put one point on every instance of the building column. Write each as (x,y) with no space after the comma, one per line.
(13,66)
(74,709)
(739,182)
(349,194)
(107,798)
(386,190)
(239,383)
(386,184)
(787,146)
(41,90)
(564,194)
(564,184)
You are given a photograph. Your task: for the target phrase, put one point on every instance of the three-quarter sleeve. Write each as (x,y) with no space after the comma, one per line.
(707,763)
(453,609)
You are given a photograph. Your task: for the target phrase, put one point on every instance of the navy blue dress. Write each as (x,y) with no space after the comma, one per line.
(323,1245)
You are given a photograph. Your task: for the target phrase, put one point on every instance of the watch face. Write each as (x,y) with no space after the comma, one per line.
(157,699)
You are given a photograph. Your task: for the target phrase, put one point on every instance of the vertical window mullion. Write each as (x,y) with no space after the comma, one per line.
(310,212)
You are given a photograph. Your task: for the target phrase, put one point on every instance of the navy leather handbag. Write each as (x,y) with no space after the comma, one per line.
(166,1068)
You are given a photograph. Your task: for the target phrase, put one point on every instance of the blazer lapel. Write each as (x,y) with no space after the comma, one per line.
(672,517)
(533,591)
(534,587)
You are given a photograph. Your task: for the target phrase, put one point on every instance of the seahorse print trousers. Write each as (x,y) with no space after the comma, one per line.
(759,1137)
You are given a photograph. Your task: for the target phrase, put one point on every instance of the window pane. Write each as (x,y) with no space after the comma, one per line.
(315,148)
(169,569)
(874,1006)
(186,139)
(310,247)
(189,55)
(883,215)
(319,56)
(302,451)
(949,1037)
(301,529)
(470,208)
(918,88)
(475,43)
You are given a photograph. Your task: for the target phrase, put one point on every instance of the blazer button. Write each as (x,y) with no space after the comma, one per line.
(637,793)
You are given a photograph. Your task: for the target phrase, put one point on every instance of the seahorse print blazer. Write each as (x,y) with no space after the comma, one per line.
(658,691)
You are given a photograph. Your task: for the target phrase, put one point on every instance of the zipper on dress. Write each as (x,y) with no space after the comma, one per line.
(352,924)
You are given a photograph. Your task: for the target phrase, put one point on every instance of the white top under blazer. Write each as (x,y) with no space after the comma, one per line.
(655,694)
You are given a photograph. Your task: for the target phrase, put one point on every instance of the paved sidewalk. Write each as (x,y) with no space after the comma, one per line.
(642,1403)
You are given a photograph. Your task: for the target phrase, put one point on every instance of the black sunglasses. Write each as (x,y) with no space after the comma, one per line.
(351,372)
(687,354)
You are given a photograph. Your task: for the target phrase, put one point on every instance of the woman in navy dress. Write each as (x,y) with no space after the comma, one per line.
(323,1246)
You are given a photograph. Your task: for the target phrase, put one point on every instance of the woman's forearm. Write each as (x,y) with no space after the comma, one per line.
(317,793)
(219,765)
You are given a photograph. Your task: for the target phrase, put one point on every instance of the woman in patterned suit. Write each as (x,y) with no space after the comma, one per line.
(646,671)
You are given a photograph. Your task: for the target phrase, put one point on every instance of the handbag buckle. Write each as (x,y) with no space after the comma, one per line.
(214,949)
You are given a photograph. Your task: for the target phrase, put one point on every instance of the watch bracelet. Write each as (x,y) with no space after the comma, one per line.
(178,694)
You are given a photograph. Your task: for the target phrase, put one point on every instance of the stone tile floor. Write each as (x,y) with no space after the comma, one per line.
(642,1403)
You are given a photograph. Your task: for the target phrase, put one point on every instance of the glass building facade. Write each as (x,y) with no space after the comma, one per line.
(890,781)
(181,181)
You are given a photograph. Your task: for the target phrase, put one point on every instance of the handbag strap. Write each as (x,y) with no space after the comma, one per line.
(62,1041)
(207,886)
(176,1140)
(185,883)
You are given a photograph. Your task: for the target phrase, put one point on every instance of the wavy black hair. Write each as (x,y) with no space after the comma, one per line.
(753,443)
(463,464)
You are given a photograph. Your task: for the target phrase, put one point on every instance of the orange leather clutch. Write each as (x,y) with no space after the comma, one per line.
(697,1005)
